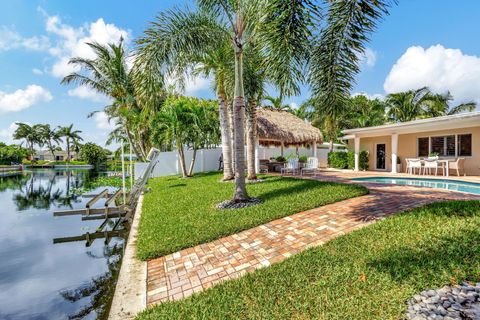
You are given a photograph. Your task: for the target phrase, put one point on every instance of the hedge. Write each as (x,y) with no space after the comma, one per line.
(346,160)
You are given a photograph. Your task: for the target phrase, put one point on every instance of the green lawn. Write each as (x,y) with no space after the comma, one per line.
(180,213)
(368,274)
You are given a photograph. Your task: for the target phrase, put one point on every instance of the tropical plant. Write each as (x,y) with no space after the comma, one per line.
(365,112)
(108,74)
(72,137)
(12,154)
(277,103)
(31,135)
(279,28)
(422,103)
(50,137)
(336,54)
(175,123)
(93,154)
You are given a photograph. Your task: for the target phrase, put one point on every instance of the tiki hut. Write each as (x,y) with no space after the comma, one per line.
(281,128)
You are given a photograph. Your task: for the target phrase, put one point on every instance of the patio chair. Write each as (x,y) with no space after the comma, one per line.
(458,165)
(310,166)
(432,164)
(413,164)
(290,167)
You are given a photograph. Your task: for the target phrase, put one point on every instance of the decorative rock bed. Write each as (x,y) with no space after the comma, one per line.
(231,204)
(457,302)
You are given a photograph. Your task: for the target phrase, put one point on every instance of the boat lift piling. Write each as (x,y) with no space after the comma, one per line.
(123,212)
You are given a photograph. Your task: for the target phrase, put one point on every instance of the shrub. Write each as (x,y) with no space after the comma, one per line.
(346,160)
(303,159)
(93,154)
(280,159)
(338,160)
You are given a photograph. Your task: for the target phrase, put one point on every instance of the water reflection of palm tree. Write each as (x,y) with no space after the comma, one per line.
(100,289)
(39,198)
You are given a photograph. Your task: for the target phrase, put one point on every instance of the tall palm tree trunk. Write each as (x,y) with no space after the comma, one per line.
(239,122)
(130,142)
(226,138)
(68,149)
(232,132)
(181,156)
(251,138)
(192,163)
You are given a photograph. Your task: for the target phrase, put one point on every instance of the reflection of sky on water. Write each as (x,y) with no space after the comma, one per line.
(34,271)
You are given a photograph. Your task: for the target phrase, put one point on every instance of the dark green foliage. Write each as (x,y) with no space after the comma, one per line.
(367,274)
(180,213)
(12,154)
(338,160)
(93,154)
(346,160)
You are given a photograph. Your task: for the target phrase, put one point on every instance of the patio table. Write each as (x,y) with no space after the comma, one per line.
(444,162)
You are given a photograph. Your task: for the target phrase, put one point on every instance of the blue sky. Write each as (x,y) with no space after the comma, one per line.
(428,42)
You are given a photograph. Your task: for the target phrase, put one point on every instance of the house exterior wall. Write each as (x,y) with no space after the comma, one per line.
(407,147)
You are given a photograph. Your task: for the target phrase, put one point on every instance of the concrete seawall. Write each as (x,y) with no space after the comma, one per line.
(130,292)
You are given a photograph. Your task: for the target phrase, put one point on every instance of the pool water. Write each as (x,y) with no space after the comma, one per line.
(452,185)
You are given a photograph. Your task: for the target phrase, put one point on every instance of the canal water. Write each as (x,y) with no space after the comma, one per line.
(42,280)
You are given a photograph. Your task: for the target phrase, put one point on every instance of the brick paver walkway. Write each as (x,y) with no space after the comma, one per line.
(182,273)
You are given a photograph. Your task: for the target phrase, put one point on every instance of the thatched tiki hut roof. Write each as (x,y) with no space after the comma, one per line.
(283,128)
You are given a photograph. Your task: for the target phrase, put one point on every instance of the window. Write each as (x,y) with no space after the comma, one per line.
(446,146)
(423,147)
(465,145)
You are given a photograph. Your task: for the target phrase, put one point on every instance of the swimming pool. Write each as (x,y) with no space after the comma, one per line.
(453,185)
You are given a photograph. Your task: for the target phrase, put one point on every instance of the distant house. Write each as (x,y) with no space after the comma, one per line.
(47,155)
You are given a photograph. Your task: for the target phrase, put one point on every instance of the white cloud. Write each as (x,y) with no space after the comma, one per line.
(72,41)
(102,122)
(368,57)
(192,85)
(195,84)
(10,39)
(37,71)
(23,98)
(440,69)
(6,135)
(370,96)
(86,93)
(294,105)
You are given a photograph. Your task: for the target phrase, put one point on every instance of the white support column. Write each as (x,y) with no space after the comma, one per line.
(357,153)
(394,152)
(314,146)
(257,156)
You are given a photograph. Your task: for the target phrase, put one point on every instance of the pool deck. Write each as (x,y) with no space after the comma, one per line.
(183,273)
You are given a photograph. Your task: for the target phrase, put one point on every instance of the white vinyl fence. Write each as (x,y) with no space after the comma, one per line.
(208,159)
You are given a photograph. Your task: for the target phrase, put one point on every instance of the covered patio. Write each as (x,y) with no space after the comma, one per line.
(283,129)
(448,137)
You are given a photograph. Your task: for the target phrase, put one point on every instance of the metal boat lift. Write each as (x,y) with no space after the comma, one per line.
(108,211)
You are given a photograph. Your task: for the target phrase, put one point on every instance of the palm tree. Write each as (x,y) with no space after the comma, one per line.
(277,103)
(72,137)
(31,135)
(422,103)
(365,112)
(173,124)
(218,64)
(335,55)
(108,74)
(281,28)
(50,137)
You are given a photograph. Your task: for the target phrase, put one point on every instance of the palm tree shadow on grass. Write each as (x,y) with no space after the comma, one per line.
(302,186)
(437,262)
